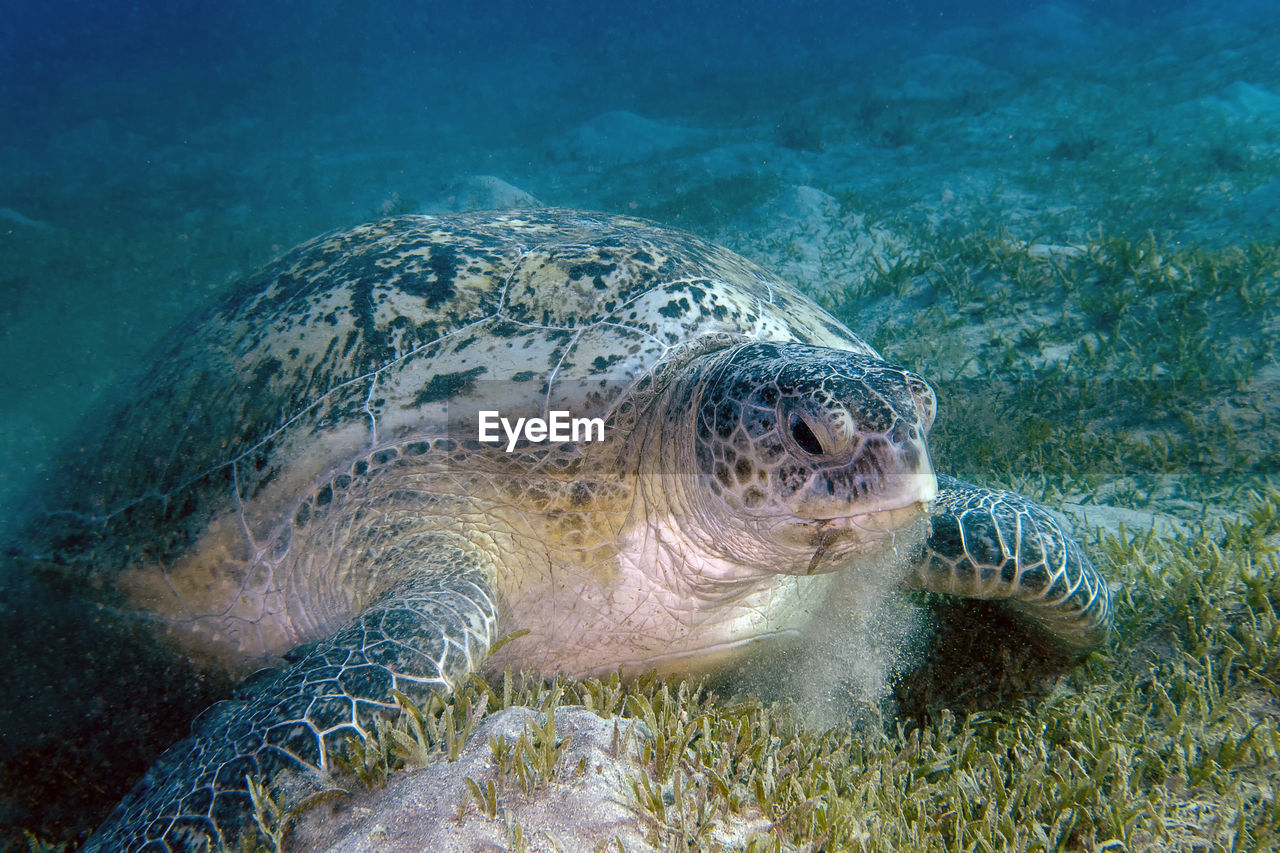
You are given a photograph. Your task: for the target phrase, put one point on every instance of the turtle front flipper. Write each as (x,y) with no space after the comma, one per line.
(423,635)
(999,545)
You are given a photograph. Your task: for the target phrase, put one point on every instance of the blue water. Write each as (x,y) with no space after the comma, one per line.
(152,153)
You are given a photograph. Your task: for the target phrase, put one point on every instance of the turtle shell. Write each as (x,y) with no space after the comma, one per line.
(358,343)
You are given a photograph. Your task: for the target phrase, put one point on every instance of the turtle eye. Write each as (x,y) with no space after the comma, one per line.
(804,437)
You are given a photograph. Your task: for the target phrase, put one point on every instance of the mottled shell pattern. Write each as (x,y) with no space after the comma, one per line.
(351,350)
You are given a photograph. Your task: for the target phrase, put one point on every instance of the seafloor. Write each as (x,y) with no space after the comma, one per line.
(1069,221)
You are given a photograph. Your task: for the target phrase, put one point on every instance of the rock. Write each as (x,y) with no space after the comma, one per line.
(481,192)
(1243,102)
(13,217)
(589,801)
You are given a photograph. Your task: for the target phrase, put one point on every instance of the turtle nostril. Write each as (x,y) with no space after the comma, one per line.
(804,436)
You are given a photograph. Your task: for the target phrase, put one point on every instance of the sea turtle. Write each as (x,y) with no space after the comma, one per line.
(302,481)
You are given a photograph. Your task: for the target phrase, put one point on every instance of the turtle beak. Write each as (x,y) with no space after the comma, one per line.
(926,483)
(865,532)
(913,492)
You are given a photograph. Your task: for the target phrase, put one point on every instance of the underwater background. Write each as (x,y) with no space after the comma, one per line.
(1065,215)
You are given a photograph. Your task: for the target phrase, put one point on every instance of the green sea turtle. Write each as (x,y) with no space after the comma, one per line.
(301,482)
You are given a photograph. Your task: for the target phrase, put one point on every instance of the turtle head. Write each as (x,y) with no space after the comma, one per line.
(810,452)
